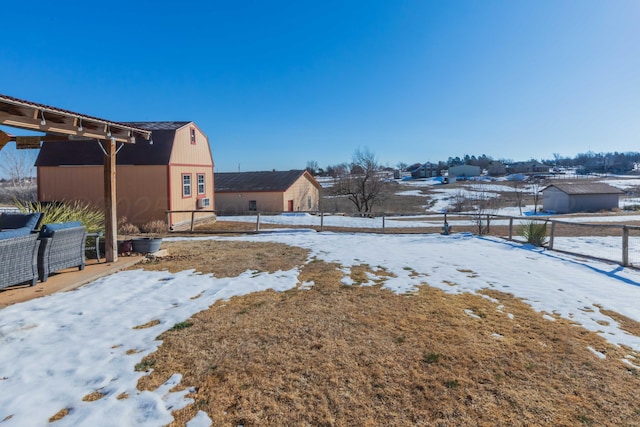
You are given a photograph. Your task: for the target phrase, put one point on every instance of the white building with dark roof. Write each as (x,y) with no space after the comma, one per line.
(569,198)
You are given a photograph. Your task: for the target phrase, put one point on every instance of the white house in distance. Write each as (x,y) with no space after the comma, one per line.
(569,198)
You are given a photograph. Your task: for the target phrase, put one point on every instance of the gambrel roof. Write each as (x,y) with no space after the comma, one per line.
(585,189)
(259,181)
(88,152)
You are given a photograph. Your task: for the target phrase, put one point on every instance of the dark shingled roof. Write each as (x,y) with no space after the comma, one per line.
(256,181)
(591,188)
(158,125)
(88,152)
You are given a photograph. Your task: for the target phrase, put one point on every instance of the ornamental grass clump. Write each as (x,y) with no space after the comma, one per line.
(535,233)
(57,212)
(154,227)
(126,228)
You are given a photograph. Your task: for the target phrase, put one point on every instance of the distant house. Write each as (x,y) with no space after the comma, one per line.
(464,171)
(294,190)
(569,198)
(174,172)
(426,170)
(496,168)
(527,167)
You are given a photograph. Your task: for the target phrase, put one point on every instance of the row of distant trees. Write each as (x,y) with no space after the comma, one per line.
(589,162)
(363,184)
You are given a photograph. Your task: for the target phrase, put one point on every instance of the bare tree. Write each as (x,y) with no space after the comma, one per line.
(537,184)
(18,167)
(459,201)
(484,206)
(363,185)
(518,191)
(312,167)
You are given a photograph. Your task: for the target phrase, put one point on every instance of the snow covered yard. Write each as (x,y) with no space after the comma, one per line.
(77,352)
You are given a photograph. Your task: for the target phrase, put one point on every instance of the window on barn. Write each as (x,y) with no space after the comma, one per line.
(253,205)
(186,185)
(201,186)
(309,202)
(193,136)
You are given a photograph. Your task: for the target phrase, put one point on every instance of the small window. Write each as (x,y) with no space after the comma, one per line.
(309,202)
(253,205)
(193,136)
(186,185)
(201,186)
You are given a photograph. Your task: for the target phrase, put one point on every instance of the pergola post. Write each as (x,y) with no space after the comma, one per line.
(110,216)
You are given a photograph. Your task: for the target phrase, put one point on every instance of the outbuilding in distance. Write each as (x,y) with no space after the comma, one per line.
(276,191)
(570,198)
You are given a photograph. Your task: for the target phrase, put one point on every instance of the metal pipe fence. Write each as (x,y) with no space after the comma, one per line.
(615,242)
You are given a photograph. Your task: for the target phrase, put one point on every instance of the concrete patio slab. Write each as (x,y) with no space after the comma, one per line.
(65,280)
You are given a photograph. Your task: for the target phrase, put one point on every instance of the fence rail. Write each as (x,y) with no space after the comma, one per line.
(615,242)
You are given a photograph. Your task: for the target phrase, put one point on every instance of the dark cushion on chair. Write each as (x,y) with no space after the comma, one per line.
(15,232)
(19,220)
(48,229)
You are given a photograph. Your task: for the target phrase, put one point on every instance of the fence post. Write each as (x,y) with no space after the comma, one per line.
(321,221)
(258,222)
(193,215)
(510,228)
(551,234)
(488,220)
(169,220)
(625,246)
(383,231)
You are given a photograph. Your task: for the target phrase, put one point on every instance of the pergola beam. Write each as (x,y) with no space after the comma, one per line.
(53,121)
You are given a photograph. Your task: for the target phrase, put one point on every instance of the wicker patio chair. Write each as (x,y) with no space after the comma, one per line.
(64,249)
(19,260)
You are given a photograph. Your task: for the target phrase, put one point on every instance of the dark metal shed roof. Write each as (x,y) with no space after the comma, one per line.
(258,181)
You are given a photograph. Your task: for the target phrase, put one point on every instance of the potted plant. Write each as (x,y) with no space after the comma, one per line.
(151,242)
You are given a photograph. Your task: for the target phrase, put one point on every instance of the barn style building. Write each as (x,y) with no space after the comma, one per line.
(173,171)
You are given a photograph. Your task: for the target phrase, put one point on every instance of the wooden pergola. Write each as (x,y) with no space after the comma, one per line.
(56,122)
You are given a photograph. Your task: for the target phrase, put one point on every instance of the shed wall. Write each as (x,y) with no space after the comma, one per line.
(141,191)
(592,202)
(299,192)
(555,200)
(178,200)
(238,202)
(186,153)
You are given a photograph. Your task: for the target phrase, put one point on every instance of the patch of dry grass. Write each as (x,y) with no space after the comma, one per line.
(60,415)
(149,324)
(92,397)
(626,324)
(336,355)
(227,259)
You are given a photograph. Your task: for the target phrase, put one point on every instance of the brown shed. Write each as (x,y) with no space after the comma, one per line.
(173,171)
(294,190)
(568,198)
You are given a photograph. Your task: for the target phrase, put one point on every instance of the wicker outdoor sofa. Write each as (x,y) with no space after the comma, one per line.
(61,246)
(19,260)
(19,248)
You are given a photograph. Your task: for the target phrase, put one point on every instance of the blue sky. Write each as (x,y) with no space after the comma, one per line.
(275,84)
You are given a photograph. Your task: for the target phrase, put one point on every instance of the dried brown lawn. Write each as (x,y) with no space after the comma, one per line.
(336,355)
